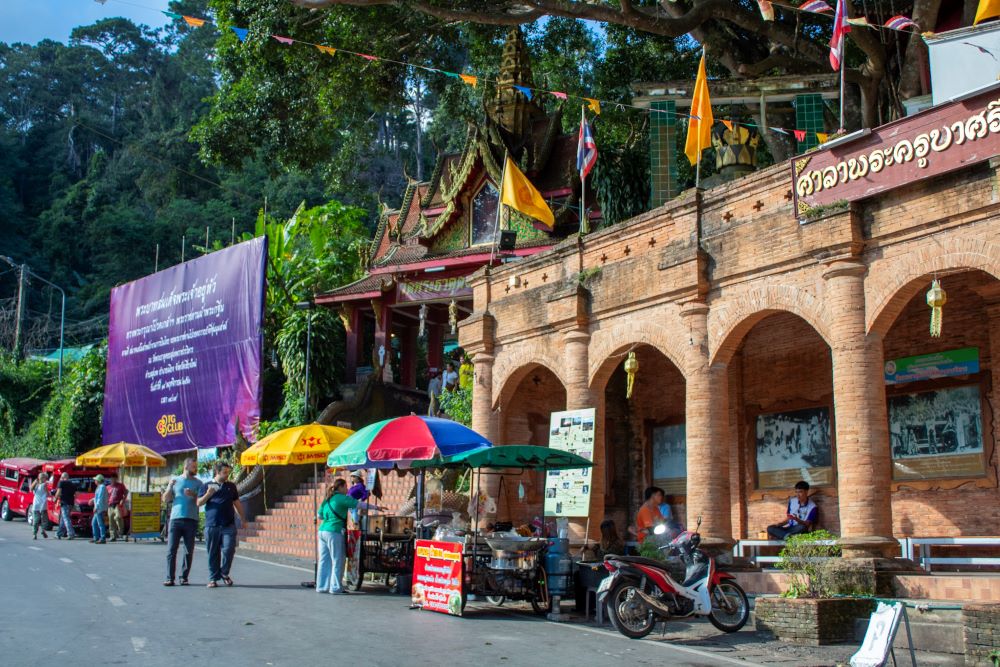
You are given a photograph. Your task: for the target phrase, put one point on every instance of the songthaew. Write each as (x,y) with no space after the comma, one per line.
(445,229)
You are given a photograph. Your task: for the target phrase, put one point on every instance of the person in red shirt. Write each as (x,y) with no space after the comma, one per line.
(117,493)
(649,514)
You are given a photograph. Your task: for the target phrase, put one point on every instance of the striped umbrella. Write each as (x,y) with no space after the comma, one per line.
(400,441)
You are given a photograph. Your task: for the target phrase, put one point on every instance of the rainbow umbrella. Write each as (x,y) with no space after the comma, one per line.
(400,441)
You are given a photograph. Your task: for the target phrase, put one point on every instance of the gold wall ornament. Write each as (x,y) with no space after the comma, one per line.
(453,316)
(423,320)
(346,315)
(936,298)
(631,368)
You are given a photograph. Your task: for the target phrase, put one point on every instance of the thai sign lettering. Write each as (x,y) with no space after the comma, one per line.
(429,290)
(936,141)
(949,363)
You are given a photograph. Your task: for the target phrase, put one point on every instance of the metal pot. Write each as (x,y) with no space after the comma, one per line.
(513,560)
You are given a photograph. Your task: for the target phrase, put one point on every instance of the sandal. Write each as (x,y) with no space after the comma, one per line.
(168,582)
(229,582)
(184,582)
(211,584)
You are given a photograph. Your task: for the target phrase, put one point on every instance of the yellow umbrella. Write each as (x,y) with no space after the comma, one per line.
(119,455)
(309,443)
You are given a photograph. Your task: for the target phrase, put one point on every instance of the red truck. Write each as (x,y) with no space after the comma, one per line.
(16,476)
(82,511)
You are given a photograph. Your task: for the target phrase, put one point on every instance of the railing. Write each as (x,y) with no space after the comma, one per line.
(918,549)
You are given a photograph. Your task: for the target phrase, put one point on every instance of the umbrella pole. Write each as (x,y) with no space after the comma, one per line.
(312,584)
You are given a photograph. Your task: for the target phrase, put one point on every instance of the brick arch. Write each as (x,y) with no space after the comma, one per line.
(670,339)
(892,282)
(512,367)
(730,321)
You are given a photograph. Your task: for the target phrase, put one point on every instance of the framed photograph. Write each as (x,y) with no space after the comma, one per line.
(937,433)
(793,446)
(669,445)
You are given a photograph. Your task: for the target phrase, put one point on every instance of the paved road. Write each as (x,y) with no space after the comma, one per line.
(83,604)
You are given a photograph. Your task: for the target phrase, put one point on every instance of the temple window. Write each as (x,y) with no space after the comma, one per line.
(484,214)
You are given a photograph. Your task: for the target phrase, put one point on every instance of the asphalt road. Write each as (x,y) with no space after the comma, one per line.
(72,602)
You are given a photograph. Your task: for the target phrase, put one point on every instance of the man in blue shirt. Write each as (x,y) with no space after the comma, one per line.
(800,517)
(182,495)
(100,503)
(221,500)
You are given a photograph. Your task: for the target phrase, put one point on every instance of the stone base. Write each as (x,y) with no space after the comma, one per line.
(865,576)
(982,632)
(868,546)
(810,622)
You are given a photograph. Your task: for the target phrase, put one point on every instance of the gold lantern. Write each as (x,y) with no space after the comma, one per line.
(631,368)
(453,316)
(936,298)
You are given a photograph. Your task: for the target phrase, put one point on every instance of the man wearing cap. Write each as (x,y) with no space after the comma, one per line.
(100,503)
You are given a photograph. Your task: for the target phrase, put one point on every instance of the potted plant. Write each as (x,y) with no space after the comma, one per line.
(819,604)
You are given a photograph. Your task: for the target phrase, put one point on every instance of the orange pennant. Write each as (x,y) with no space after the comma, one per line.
(593,105)
(822,136)
(469,79)
(326,49)
(193,22)
(728,124)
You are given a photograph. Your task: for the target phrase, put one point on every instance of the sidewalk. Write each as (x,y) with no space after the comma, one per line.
(747,645)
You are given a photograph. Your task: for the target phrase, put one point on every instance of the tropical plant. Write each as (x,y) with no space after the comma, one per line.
(803,558)
(457,405)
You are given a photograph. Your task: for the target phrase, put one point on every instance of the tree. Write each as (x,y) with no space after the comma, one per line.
(885,71)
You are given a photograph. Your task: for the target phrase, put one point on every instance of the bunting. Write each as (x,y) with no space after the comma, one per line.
(326,49)
(241,33)
(593,105)
(469,79)
(766,10)
(822,137)
(283,40)
(728,124)
(194,22)
(817,6)
(524,90)
(558,94)
(901,23)
(368,57)
(800,135)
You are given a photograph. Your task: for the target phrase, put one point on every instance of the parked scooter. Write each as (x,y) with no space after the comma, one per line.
(640,592)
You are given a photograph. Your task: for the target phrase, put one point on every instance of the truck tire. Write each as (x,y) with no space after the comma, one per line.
(5,512)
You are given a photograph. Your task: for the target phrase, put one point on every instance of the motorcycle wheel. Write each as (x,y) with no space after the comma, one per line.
(496,600)
(730,607)
(628,613)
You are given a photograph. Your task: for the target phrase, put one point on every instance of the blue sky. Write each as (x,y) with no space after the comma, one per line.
(34,20)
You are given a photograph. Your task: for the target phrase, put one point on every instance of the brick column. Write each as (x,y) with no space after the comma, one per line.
(483,419)
(864,467)
(576,369)
(707,418)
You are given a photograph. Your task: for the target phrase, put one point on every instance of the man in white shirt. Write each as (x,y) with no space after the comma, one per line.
(450,377)
(434,393)
(800,517)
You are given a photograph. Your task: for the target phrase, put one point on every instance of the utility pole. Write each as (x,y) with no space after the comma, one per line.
(22,297)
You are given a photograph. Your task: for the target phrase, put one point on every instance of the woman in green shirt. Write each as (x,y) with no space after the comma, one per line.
(332,543)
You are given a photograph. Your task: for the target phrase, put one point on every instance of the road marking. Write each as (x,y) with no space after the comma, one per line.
(267,562)
(138,643)
(35,548)
(60,589)
(95,577)
(116,601)
(66,560)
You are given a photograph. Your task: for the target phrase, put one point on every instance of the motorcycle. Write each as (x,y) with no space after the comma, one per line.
(639,593)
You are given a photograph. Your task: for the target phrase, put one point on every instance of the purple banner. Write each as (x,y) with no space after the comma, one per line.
(184,352)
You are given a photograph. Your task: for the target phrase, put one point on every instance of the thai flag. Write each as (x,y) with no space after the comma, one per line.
(901,23)
(586,149)
(840,28)
(815,6)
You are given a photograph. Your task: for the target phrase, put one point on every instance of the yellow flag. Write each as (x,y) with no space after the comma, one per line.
(517,192)
(822,137)
(988,9)
(326,49)
(594,105)
(469,79)
(700,129)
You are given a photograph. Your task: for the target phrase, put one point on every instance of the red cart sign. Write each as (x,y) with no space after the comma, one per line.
(437,576)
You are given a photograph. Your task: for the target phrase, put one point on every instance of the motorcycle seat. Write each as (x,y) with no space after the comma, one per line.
(639,560)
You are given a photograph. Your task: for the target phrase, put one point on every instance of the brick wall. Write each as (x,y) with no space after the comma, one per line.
(810,622)
(982,632)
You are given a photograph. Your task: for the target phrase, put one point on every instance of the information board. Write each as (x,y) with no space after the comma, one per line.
(567,492)
(145,514)
(437,576)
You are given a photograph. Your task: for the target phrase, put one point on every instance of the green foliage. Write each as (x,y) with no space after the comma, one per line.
(802,557)
(649,548)
(457,405)
(994,657)
(25,387)
(69,422)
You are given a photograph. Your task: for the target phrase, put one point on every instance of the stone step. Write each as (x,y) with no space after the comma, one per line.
(307,554)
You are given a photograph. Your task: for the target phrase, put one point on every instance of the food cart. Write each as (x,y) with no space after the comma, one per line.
(497,566)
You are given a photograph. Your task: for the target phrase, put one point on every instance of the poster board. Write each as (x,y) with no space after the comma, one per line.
(792,446)
(567,492)
(670,458)
(881,633)
(145,515)
(437,577)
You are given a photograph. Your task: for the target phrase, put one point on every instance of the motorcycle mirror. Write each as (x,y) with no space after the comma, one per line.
(660,529)
(699,524)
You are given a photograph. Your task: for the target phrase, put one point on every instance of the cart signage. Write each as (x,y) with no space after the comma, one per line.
(145,514)
(567,492)
(437,576)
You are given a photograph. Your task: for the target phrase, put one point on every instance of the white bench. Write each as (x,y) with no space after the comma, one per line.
(918,549)
(742,546)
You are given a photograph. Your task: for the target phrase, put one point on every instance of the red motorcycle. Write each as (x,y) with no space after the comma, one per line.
(640,592)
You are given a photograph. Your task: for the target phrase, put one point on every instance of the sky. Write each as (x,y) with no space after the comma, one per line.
(34,20)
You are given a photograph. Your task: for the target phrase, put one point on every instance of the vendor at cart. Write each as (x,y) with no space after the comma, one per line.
(649,514)
(358,491)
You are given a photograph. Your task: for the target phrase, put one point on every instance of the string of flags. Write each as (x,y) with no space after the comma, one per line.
(898,23)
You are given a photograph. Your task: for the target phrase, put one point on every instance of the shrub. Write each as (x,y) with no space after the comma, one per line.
(457,405)
(802,557)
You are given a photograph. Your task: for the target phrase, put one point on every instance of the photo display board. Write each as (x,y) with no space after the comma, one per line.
(670,459)
(567,492)
(793,446)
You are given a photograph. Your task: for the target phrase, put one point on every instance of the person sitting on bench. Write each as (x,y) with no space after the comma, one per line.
(801,516)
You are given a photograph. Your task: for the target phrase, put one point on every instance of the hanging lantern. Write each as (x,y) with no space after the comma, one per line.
(631,368)
(423,320)
(936,298)
(453,316)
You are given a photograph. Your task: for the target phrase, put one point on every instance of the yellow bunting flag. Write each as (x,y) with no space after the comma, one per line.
(326,49)
(469,79)
(193,22)
(860,20)
(517,192)
(988,9)
(593,105)
(822,136)
(699,135)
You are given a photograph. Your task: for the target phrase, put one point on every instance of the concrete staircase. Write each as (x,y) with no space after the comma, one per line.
(287,527)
